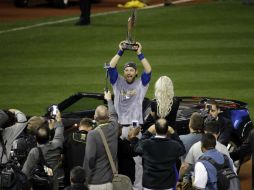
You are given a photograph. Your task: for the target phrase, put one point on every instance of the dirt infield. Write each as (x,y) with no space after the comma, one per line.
(9,12)
(40,10)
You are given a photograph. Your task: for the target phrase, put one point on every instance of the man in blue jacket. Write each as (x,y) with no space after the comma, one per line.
(205,172)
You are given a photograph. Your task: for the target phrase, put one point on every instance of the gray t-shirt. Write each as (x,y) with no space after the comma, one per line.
(128,100)
(188,140)
(195,152)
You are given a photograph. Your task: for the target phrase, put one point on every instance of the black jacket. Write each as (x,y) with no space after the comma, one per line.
(225,130)
(74,152)
(159,159)
(171,117)
(247,148)
(126,163)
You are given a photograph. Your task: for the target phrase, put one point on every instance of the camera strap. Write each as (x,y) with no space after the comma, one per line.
(4,152)
(41,157)
(43,161)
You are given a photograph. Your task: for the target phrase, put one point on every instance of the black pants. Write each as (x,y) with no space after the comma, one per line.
(85,8)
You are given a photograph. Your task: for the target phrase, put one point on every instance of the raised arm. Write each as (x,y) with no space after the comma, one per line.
(116,58)
(11,133)
(144,61)
(111,109)
(59,129)
(113,74)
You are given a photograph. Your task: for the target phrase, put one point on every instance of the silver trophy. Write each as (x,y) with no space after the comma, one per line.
(129,43)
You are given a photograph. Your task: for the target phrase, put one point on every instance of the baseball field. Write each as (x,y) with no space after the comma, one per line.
(207,49)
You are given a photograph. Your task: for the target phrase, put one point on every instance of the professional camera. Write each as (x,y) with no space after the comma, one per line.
(21,147)
(7,119)
(11,176)
(187,182)
(7,176)
(205,112)
(208,108)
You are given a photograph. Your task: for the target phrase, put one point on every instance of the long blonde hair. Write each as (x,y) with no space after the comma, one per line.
(164,93)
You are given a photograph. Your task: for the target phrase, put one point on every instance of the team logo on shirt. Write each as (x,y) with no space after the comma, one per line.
(128,94)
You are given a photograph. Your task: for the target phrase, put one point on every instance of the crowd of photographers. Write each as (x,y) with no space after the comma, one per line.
(20,139)
(39,153)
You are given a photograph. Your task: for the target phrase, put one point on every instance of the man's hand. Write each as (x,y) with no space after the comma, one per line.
(121,46)
(133,132)
(58,116)
(139,48)
(183,169)
(152,130)
(51,123)
(107,95)
(170,130)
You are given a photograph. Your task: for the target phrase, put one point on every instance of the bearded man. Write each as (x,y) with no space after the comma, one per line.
(129,90)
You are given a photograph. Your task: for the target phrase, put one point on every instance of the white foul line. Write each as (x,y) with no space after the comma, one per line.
(36,25)
(75,18)
(55,22)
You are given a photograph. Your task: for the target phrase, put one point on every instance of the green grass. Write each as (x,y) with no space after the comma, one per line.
(207,49)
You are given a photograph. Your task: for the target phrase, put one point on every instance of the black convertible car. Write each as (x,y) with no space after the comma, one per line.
(83,104)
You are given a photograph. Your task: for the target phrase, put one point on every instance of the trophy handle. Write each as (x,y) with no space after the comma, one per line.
(127,45)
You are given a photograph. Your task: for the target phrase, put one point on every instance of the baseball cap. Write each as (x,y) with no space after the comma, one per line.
(130,64)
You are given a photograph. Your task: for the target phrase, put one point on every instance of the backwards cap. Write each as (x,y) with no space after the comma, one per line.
(130,64)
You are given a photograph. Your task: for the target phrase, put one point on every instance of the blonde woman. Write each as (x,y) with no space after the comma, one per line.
(165,104)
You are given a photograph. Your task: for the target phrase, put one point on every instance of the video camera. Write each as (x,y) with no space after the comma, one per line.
(11,176)
(205,112)
(7,175)
(7,119)
(208,108)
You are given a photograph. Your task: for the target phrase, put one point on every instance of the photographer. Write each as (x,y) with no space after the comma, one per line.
(74,147)
(12,124)
(51,150)
(214,114)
